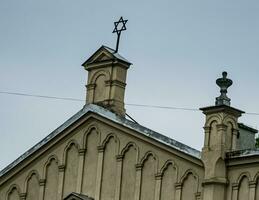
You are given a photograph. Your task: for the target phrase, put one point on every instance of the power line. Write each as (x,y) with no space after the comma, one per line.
(41,96)
(128,104)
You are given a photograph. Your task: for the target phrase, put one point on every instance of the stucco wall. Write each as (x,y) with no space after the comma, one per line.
(108,163)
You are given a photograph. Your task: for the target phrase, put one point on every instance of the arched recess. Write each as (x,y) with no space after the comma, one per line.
(242,175)
(116,140)
(230,119)
(71,159)
(216,117)
(231,123)
(149,170)
(256,180)
(99,79)
(91,142)
(243,186)
(51,177)
(127,148)
(214,139)
(130,158)
(13,193)
(169,178)
(97,74)
(190,185)
(32,185)
(220,168)
(229,137)
(111,146)
(92,128)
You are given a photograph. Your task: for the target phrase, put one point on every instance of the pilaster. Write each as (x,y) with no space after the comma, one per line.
(80,170)
(119,160)
(178,191)
(61,175)
(42,188)
(99,172)
(234,191)
(252,189)
(138,181)
(158,177)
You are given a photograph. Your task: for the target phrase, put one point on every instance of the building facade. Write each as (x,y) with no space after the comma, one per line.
(100,154)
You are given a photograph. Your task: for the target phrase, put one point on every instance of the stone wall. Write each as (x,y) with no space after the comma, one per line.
(107,163)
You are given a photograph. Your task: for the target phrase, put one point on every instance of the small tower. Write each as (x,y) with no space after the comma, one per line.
(107,72)
(221,132)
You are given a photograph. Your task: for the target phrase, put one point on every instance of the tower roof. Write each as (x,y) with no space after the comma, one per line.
(105,53)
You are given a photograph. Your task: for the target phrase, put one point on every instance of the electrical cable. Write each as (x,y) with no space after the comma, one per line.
(128,104)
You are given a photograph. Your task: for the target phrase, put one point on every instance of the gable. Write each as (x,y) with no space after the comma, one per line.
(89,152)
(76,196)
(105,54)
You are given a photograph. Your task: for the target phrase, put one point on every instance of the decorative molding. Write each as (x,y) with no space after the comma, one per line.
(235,186)
(81,152)
(252,184)
(158,176)
(42,182)
(139,167)
(178,186)
(90,86)
(100,148)
(119,158)
(23,196)
(61,168)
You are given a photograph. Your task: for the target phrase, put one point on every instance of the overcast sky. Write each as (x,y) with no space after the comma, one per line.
(178,49)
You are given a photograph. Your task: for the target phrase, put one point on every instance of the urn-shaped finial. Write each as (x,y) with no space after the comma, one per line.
(224,83)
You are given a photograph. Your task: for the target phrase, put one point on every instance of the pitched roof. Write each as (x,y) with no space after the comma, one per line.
(109,50)
(92,108)
(79,196)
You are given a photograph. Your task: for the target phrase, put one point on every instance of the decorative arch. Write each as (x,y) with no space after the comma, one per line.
(11,188)
(128,146)
(146,156)
(256,177)
(220,167)
(186,174)
(88,131)
(107,139)
(243,175)
(166,165)
(230,119)
(211,119)
(99,73)
(68,146)
(31,173)
(52,157)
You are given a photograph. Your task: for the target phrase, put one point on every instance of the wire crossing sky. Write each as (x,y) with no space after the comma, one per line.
(178,50)
(128,104)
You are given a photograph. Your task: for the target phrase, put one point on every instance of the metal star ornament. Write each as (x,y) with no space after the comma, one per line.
(118,27)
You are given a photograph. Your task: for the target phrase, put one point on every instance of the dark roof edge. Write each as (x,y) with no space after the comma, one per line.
(113,117)
(111,51)
(243,153)
(248,128)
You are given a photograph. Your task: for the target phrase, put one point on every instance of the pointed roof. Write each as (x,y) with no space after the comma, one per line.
(100,111)
(76,196)
(105,53)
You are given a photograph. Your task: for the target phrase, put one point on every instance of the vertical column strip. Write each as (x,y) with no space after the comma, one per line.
(119,160)
(138,181)
(178,191)
(252,188)
(61,176)
(42,188)
(158,186)
(99,172)
(80,170)
(235,191)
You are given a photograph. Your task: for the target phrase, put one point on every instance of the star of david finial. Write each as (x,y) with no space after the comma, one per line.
(118,27)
